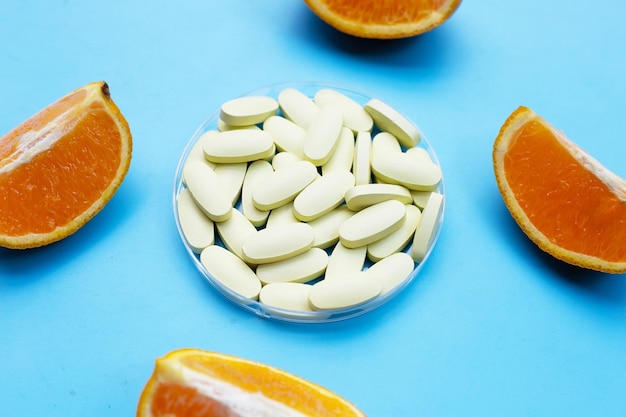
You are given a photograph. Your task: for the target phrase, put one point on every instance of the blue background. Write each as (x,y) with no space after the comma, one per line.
(492,326)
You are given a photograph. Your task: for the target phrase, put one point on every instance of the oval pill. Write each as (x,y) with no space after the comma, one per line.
(372,223)
(239,145)
(256,172)
(341,159)
(286,295)
(322,195)
(281,215)
(208,191)
(354,115)
(326,228)
(344,261)
(197,228)
(390,120)
(245,111)
(231,271)
(235,231)
(403,170)
(397,240)
(393,270)
(283,185)
(283,159)
(288,136)
(362,158)
(322,136)
(231,176)
(297,107)
(277,243)
(386,142)
(365,195)
(349,291)
(300,268)
(426,229)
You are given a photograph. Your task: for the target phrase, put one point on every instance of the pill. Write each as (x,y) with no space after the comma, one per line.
(281,215)
(283,185)
(342,157)
(403,170)
(277,243)
(350,291)
(231,177)
(365,195)
(231,271)
(420,154)
(286,295)
(385,142)
(326,228)
(397,240)
(283,159)
(196,153)
(300,268)
(239,145)
(393,270)
(372,223)
(322,136)
(255,173)
(222,126)
(390,120)
(354,115)
(420,198)
(297,107)
(197,228)
(322,195)
(426,229)
(288,136)
(235,231)
(344,261)
(248,110)
(208,191)
(362,158)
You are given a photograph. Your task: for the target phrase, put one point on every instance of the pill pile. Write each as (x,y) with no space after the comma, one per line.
(309,203)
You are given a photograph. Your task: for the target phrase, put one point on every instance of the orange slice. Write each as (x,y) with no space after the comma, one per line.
(384,19)
(193,382)
(569,204)
(60,167)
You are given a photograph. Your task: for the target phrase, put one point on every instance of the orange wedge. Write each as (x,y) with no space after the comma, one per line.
(568,203)
(384,19)
(193,382)
(60,167)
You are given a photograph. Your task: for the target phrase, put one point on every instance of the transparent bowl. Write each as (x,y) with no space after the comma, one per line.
(271,312)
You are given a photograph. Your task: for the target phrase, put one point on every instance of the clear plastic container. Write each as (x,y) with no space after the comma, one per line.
(267,311)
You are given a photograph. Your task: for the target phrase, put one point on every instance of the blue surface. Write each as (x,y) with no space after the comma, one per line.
(492,327)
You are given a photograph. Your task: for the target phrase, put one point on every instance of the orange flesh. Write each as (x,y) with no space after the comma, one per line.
(62,198)
(175,400)
(558,202)
(383,12)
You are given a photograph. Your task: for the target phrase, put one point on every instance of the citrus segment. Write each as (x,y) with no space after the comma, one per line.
(568,203)
(195,382)
(384,19)
(61,166)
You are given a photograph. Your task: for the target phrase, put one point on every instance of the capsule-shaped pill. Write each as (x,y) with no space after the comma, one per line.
(385,142)
(355,117)
(286,295)
(282,215)
(397,240)
(362,158)
(322,195)
(197,228)
(426,229)
(254,174)
(420,198)
(288,136)
(393,270)
(350,291)
(344,262)
(222,126)
(237,146)
(235,231)
(297,107)
(322,136)
(274,244)
(390,120)
(231,271)
(232,176)
(283,159)
(208,191)
(365,195)
(326,228)
(372,223)
(300,268)
(249,110)
(343,156)
(402,169)
(283,185)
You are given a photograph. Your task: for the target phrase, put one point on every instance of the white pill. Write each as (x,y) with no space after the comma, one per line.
(235,231)
(300,268)
(393,270)
(365,195)
(322,136)
(344,261)
(281,215)
(397,240)
(231,176)
(283,185)
(286,295)
(362,158)
(256,172)
(197,228)
(322,195)
(283,159)
(355,117)
(426,229)
(349,291)
(231,271)
(420,154)
(402,169)
(420,198)
(222,126)
(326,228)
(372,223)
(244,111)
(343,156)
(390,120)
(208,191)
(385,142)
(297,107)
(239,145)
(288,136)
(276,243)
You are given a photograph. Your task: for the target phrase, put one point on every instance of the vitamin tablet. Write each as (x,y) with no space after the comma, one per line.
(288,136)
(297,107)
(362,158)
(390,120)
(365,195)
(403,170)
(427,226)
(322,136)
(283,159)
(323,195)
(196,226)
(326,228)
(300,268)
(235,231)
(255,173)
(286,295)
(393,270)
(222,126)
(197,154)
(276,243)
(231,271)
(385,142)
(240,145)
(349,291)
(344,261)
(281,215)
(354,115)
(231,177)
(245,111)
(372,223)
(397,240)
(283,185)
(208,191)
(420,198)
(343,156)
